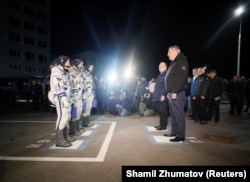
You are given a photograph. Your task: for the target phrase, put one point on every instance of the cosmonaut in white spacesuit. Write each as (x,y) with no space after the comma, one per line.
(76,87)
(60,95)
(88,94)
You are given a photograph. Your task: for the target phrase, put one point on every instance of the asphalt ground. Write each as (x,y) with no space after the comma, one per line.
(27,151)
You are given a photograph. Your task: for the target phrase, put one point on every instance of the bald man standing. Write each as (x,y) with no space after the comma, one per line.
(160,97)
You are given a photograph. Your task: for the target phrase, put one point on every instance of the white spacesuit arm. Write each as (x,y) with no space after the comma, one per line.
(63,99)
(57,83)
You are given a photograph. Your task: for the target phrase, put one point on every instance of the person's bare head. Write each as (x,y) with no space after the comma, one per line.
(201,71)
(195,71)
(173,51)
(162,67)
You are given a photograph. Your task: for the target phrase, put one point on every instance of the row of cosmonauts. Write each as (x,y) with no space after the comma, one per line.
(72,91)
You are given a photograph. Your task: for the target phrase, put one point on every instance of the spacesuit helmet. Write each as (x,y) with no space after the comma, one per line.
(64,61)
(78,63)
(90,67)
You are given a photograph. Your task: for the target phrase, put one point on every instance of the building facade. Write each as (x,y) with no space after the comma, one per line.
(25,44)
(25,48)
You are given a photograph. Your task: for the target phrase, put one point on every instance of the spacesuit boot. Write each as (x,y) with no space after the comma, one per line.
(78,128)
(66,135)
(85,122)
(88,121)
(60,142)
(73,129)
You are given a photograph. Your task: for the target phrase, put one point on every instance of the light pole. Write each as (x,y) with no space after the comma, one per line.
(238,12)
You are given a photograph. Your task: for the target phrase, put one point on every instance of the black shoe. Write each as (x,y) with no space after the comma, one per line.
(216,120)
(161,128)
(169,135)
(177,139)
(157,126)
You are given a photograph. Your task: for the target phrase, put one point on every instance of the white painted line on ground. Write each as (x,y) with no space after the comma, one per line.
(27,121)
(26,113)
(100,157)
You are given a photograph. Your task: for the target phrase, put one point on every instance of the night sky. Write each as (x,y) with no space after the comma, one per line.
(207,32)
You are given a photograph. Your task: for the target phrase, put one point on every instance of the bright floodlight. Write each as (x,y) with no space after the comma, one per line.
(112,77)
(128,72)
(239,11)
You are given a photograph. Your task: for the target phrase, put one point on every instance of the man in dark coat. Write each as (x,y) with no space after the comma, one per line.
(176,85)
(215,93)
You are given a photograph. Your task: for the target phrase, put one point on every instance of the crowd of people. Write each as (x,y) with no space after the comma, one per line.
(174,93)
(74,90)
(74,93)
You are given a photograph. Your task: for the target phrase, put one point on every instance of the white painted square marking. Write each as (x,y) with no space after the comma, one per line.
(99,158)
(152,128)
(86,133)
(75,145)
(94,126)
(163,139)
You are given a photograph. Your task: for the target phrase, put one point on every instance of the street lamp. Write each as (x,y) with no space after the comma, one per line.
(238,12)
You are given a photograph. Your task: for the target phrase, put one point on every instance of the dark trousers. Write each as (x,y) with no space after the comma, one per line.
(236,104)
(163,112)
(202,108)
(194,109)
(177,114)
(214,105)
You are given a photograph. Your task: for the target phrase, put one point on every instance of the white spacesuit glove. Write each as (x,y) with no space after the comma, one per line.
(71,100)
(65,103)
(74,96)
